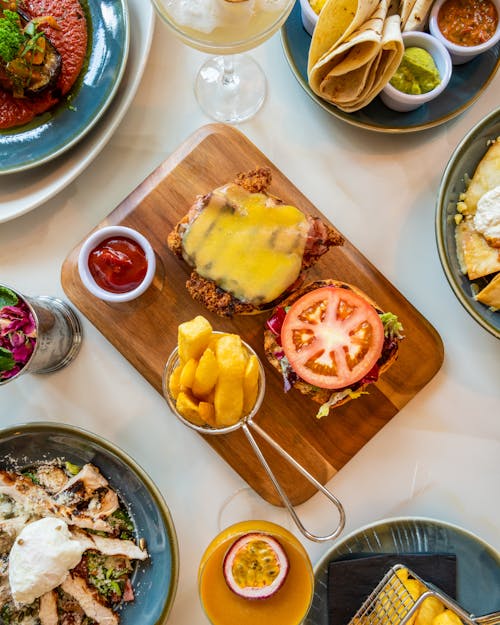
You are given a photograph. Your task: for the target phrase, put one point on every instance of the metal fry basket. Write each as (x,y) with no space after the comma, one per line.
(392,603)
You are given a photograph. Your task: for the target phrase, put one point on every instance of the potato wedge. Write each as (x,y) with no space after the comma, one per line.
(250,384)
(415,588)
(207,413)
(187,374)
(228,402)
(388,604)
(430,608)
(193,338)
(174,385)
(447,617)
(231,357)
(214,340)
(206,374)
(188,407)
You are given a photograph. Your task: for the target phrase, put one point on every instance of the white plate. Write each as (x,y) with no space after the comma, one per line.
(24,191)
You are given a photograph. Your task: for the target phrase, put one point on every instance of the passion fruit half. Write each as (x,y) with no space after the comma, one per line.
(255,566)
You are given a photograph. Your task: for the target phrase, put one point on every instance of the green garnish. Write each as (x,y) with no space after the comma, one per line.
(6,614)
(107,581)
(393,328)
(7,297)
(32,476)
(121,520)
(7,361)
(335,398)
(11,36)
(71,468)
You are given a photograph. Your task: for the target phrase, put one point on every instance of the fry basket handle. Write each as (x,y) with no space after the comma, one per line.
(284,497)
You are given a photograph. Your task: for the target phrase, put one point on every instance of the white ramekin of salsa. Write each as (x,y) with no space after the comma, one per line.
(116,264)
(466,27)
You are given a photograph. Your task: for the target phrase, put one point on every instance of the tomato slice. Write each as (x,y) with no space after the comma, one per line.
(332,337)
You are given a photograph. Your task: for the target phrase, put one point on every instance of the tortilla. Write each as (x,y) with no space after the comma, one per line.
(486,177)
(490,295)
(414,14)
(389,58)
(405,9)
(358,65)
(337,20)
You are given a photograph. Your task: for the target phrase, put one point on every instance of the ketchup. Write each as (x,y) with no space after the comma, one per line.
(118,264)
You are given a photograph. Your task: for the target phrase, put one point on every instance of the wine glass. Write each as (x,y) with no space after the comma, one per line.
(230,87)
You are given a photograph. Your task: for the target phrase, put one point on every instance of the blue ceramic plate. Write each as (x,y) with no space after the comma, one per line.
(478,564)
(52,133)
(463,162)
(467,83)
(155,580)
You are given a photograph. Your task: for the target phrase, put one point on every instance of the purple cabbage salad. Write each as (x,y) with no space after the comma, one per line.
(17,333)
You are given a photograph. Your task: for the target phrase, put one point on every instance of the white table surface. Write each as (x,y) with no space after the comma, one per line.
(439,457)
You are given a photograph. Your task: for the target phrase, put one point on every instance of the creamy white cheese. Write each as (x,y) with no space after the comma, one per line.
(487,217)
(40,559)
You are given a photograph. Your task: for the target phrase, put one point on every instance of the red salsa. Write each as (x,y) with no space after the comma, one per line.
(468,22)
(118,264)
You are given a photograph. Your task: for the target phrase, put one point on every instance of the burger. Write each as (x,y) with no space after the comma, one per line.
(247,249)
(329,340)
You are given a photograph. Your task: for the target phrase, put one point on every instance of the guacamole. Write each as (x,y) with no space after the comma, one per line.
(417,73)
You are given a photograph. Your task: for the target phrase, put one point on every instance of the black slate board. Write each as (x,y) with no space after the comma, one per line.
(352,579)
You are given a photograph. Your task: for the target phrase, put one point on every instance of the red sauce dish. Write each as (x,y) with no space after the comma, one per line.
(465,27)
(116,264)
(468,22)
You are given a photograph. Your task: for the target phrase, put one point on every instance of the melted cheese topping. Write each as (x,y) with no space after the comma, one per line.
(247,244)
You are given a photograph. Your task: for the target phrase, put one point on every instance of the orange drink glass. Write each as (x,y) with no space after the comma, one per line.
(287,606)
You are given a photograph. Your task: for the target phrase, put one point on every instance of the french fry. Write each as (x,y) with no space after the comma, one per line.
(231,357)
(214,340)
(188,408)
(447,617)
(187,374)
(430,608)
(216,382)
(174,385)
(207,413)
(250,384)
(386,607)
(228,402)
(415,588)
(206,374)
(193,338)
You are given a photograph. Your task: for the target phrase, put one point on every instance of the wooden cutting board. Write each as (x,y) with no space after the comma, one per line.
(145,331)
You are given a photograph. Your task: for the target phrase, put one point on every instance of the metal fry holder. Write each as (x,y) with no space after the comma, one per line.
(391,603)
(247,424)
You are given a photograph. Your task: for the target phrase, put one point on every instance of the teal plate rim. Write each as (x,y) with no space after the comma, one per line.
(53,133)
(414,534)
(463,162)
(467,83)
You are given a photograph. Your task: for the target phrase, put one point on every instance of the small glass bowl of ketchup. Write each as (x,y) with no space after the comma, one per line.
(116,264)
(465,27)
